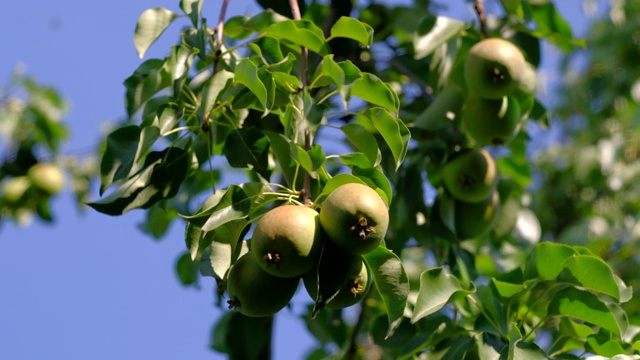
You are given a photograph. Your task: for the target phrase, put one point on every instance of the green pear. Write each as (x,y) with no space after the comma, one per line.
(355,218)
(493,68)
(47,177)
(473,220)
(254,292)
(471,175)
(491,122)
(287,240)
(13,189)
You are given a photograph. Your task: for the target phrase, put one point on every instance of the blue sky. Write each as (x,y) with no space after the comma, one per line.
(93,286)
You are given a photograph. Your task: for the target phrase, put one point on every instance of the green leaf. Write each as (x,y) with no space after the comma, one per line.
(163,173)
(219,256)
(151,24)
(432,33)
(192,9)
(446,108)
(603,346)
(147,80)
(373,90)
(364,141)
(120,154)
(437,289)
(246,73)
(591,273)
(187,270)
(529,351)
(392,283)
(513,7)
(219,82)
(376,180)
(545,261)
(348,27)
(303,33)
(393,131)
(506,289)
(223,206)
(158,220)
(584,306)
(248,148)
(336,182)
(281,148)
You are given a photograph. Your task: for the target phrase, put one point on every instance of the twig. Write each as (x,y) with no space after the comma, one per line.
(295,10)
(219,34)
(306,185)
(481,18)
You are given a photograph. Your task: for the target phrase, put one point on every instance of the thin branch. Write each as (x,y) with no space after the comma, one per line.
(306,185)
(295,10)
(220,34)
(481,18)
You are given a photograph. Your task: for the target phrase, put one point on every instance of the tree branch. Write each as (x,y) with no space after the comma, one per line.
(220,34)
(481,17)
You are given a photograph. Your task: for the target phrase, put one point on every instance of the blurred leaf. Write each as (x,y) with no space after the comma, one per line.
(604,347)
(192,8)
(348,27)
(187,270)
(433,32)
(438,288)
(151,24)
(392,283)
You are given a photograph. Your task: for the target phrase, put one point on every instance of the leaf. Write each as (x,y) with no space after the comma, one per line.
(248,148)
(120,154)
(303,33)
(373,90)
(506,289)
(529,351)
(281,149)
(336,182)
(438,288)
(603,346)
(163,173)
(348,27)
(213,88)
(246,73)
(545,261)
(393,131)
(376,180)
(224,245)
(591,273)
(364,141)
(392,283)
(584,306)
(187,270)
(192,9)
(147,80)
(432,33)
(151,24)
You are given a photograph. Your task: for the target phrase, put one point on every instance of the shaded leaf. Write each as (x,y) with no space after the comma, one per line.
(392,283)
(246,73)
(364,141)
(438,288)
(248,148)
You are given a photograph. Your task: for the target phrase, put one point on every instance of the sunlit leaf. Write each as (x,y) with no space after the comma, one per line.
(591,273)
(545,261)
(151,24)
(431,33)
(371,89)
(300,32)
(348,27)
(246,73)
(584,306)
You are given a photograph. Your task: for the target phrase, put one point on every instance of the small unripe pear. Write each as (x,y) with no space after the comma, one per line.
(47,177)
(471,175)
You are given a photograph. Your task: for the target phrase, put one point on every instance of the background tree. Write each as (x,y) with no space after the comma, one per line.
(267,93)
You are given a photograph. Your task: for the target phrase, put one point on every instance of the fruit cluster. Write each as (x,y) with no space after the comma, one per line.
(325,249)
(497,76)
(23,192)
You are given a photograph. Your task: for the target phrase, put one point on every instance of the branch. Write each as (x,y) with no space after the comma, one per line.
(219,34)
(306,185)
(481,18)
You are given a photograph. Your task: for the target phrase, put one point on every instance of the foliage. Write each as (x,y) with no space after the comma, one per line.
(374,94)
